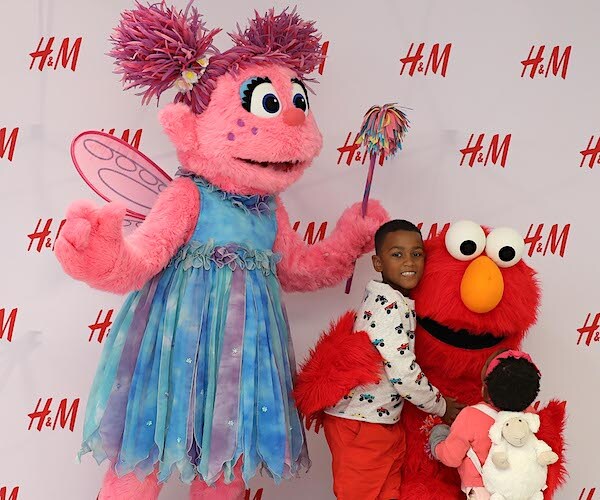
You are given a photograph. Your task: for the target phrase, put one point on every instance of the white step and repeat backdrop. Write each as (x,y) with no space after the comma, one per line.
(504,109)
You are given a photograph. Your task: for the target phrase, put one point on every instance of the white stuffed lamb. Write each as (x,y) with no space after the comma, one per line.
(517,465)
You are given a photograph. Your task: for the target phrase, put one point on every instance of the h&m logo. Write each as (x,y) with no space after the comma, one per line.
(62,418)
(65,54)
(493,152)
(540,243)
(557,63)
(435,61)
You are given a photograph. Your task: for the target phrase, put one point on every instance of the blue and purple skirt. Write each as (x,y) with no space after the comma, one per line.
(197,372)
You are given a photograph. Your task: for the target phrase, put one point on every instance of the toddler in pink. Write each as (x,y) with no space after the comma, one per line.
(511,382)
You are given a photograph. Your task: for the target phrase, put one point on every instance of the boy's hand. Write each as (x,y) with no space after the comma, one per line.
(453,408)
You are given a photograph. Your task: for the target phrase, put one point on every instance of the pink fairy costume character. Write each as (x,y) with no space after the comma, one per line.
(198,371)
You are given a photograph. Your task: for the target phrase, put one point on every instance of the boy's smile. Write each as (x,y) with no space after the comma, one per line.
(401,260)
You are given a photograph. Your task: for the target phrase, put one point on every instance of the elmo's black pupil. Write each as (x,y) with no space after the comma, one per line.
(270,103)
(468,247)
(507,254)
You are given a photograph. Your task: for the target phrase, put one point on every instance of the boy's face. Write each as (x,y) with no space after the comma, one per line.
(401,260)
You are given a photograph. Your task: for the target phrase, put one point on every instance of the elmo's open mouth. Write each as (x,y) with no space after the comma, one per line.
(279,166)
(459,338)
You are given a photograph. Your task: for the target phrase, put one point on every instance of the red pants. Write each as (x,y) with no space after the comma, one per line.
(367,458)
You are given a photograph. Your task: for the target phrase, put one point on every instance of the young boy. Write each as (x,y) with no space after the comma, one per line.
(363,431)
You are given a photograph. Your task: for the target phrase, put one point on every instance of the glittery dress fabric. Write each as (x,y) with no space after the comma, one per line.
(198,367)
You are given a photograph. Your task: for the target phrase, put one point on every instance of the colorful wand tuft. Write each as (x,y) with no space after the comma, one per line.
(382,131)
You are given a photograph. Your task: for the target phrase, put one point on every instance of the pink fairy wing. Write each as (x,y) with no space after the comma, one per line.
(118,172)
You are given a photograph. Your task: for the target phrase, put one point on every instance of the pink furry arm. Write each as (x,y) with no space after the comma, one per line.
(91,247)
(167,227)
(310,267)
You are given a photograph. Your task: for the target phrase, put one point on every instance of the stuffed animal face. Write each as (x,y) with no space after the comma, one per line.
(516,432)
(257,135)
(516,428)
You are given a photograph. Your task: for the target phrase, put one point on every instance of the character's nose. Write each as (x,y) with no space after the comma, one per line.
(482,285)
(294,117)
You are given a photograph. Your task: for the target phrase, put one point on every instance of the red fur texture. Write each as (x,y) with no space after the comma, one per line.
(341,360)
(310,267)
(552,425)
(129,487)
(91,246)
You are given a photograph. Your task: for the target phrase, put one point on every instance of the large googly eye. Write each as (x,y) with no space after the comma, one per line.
(505,246)
(465,240)
(299,95)
(260,98)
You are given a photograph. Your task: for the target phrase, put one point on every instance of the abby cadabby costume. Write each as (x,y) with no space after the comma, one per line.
(197,373)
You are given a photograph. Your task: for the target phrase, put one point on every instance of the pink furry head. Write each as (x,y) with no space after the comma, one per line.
(157,48)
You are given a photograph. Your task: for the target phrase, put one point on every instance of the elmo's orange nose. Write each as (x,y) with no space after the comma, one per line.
(482,285)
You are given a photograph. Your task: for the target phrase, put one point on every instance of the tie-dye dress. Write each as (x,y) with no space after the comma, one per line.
(197,370)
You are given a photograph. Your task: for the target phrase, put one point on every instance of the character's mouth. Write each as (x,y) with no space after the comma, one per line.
(459,338)
(279,166)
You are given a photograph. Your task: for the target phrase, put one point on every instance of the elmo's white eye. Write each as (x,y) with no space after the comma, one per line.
(505,246)
(465,240)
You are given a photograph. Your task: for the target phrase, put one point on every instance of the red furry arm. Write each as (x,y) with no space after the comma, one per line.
(149,248)
(340,361)
(310,267)
(552,428)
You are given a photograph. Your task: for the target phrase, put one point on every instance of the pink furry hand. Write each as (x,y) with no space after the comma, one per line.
(363,228)
(91,241)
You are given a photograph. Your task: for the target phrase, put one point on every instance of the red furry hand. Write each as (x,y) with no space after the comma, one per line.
(363,228)
(90,240)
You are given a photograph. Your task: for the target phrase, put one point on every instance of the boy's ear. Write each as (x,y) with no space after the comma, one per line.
(377,264)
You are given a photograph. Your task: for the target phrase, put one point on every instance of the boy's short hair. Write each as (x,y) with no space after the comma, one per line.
(513,385)
(392,226)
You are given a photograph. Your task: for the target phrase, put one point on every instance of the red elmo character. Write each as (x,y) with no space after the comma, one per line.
(488,301)
(476,296)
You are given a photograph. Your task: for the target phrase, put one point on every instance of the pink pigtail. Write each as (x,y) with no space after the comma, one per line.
(283,39)
(155,45)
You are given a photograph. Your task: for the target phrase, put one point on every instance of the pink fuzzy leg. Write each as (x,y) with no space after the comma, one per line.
(220,491)
(129,487)
(310,267)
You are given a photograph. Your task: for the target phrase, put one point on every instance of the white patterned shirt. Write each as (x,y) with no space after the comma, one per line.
(390,321)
